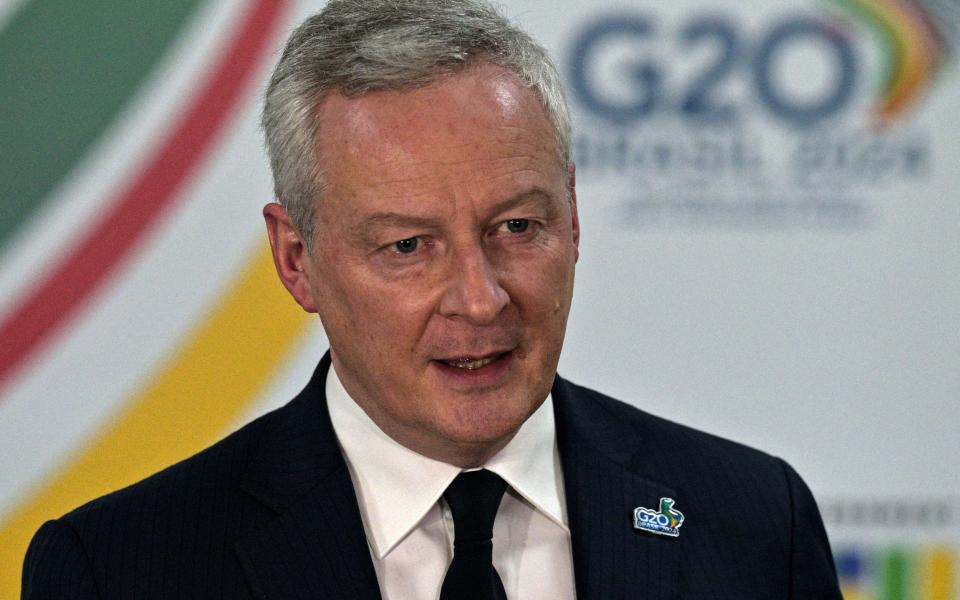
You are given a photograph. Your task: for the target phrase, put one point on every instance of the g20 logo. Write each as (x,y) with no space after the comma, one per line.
(732,54)
(655,518)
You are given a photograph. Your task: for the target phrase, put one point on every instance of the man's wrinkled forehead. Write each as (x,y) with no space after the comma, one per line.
(493,83)
(392,125)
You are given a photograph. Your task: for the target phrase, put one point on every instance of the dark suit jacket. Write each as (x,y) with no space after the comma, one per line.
(270,512)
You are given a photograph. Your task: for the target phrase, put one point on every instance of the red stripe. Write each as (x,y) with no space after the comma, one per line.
(136,210)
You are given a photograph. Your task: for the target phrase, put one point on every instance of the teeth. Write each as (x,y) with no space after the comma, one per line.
(470,365)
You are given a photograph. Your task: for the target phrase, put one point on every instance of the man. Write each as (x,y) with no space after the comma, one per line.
(428,214)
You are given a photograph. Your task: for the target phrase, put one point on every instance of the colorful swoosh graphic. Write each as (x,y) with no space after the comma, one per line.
(67,69)
(219,369)
(913,47)
(675,516)
(136,209)
(184,407)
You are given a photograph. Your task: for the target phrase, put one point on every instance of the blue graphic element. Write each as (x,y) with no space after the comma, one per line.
(700,99)
(850,565)
(653,90)
(777,41)
(646,74)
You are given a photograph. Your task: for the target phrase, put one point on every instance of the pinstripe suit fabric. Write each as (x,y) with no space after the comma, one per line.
(270,512)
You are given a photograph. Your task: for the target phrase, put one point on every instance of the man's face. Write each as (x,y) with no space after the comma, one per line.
(444,258)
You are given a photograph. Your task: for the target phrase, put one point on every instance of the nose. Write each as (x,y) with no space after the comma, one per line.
(473,290)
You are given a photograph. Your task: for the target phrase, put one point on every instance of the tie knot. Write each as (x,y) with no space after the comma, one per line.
(474,497)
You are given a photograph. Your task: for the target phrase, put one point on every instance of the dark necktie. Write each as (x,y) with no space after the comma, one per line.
(474,498)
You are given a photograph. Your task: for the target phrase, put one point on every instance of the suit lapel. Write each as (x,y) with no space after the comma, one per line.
(315,547)
(603,486)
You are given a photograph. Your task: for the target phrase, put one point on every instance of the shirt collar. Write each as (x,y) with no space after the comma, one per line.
(396,486)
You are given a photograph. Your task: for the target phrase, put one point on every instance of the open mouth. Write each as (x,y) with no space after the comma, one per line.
(471,363)
(469,373)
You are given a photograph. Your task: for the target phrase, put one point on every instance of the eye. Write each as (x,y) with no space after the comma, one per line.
(407,245)
(518,225)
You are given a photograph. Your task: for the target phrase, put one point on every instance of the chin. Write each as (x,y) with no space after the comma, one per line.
(487,424)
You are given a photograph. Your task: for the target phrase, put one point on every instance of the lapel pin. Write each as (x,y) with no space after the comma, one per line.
(666,521)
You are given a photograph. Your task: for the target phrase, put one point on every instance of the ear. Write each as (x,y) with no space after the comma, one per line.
(572,187)
(291,257)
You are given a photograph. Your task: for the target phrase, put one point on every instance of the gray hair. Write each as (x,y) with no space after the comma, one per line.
(357,46)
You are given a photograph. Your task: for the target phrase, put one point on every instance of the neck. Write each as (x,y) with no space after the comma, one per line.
(471,455)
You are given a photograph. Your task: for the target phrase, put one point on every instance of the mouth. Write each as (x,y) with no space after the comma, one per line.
(478,371)
(473,363)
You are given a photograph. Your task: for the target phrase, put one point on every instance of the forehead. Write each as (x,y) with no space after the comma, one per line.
(482,123)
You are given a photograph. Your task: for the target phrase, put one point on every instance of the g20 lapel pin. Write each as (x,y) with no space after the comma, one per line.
(666,521)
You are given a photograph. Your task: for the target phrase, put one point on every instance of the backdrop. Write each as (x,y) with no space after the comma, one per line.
(768,192)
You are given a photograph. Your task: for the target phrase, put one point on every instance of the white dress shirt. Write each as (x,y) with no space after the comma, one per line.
(409,527)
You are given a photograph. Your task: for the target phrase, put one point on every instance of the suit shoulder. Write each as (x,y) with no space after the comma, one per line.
(713,479)
(56,565)
(178,527)
(663,441)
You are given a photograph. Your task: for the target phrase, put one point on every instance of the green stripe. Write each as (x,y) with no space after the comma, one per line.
(891,51)
(894,572)
(67,67)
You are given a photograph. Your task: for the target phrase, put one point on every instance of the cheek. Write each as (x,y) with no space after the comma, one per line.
(541,288)
(391,317)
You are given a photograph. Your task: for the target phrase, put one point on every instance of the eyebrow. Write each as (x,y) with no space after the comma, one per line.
(535,194)
(366,228)
(365,232)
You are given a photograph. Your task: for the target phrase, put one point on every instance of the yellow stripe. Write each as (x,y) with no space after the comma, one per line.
(191,402)
(939,575)
(850,593)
